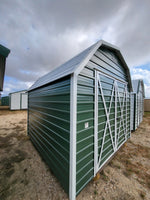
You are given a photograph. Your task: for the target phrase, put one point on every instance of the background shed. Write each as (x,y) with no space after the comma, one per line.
(137,103)
(19,100)
(79,114)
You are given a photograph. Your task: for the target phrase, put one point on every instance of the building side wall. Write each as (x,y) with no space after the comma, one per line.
(49,126)
(140,103)
(108,63)
(85,128)
(132,112)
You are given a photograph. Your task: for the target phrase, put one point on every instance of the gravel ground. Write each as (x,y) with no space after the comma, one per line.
(24,175)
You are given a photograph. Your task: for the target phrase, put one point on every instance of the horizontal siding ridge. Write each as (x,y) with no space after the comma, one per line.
(85,111)
(84,148)
(86,76)
(51,137)
(84,176)
(50,115)
(84,157)
(108,57)
(60,102)
(48,95)
(86,138)
(50,145)
(85,184)
(49,158)
(84,166)
(90,127)
(85,120)
(56,126)
(49,108)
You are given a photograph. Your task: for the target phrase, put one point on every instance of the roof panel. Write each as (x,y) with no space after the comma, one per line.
(136,84)
(76,64)
(63,70)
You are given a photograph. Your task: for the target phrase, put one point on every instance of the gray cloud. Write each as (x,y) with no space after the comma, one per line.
(44,34)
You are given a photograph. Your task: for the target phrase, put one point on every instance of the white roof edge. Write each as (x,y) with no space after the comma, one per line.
(20,91)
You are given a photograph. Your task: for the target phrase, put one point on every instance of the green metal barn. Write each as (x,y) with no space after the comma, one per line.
(137,103)
(79,114)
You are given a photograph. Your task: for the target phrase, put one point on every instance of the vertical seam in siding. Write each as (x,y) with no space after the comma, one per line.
(73,119)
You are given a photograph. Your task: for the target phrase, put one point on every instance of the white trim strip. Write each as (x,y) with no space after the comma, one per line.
(73,119)
(96,126)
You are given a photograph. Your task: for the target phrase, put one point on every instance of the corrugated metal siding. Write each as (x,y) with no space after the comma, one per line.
(134,111)
(5,101)
(140,103)
(106,62)
(85,136)
(49,126)
(102,61)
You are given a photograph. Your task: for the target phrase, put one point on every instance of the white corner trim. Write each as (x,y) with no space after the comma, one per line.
(73,119)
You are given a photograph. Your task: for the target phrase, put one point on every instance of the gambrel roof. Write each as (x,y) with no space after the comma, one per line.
(77,63)
(136,85)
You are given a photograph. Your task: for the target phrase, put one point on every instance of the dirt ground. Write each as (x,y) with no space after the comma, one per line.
(25,176)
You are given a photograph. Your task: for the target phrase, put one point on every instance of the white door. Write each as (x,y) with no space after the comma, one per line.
(15,101)
(24,101)
(112,117)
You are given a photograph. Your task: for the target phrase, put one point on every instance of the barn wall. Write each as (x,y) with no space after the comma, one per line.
(140,104)
(49,126)
(85,128)
(107,62)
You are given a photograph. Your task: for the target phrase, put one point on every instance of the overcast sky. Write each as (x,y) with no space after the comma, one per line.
(43,34)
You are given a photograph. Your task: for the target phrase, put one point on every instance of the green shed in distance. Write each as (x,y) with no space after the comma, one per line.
(5,101)
(137,103)
(79,114)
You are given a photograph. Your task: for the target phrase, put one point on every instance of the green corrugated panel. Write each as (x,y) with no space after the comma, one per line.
(49,126)
(5,101)
(107,62)
(85,136)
